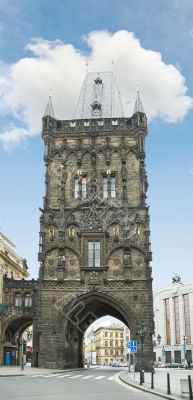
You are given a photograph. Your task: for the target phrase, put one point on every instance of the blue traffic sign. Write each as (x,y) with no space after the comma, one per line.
(132,346)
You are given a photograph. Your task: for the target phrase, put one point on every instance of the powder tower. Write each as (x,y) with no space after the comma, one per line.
(94,228)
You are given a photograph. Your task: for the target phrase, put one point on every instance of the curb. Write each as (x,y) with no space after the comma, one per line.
(55,372)
(144,389)
(8,376)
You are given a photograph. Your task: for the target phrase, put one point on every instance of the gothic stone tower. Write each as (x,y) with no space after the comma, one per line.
(94,228)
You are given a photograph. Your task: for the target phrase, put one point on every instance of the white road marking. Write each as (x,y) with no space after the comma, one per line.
(111,378)
(75,376)
(51,376)
(100,377)
(63,376)
(88,377)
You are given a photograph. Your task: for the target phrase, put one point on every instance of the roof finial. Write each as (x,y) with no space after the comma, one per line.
(49,111)
(86,66)
(138,104)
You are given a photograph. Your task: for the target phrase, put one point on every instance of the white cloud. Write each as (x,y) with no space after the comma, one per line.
(62,67)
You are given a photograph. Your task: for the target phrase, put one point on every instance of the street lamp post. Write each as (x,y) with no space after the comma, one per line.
(159,338)
(163,355)
(184,345)
(142,329)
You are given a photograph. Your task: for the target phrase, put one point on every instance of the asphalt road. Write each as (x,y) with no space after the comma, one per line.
(91,384)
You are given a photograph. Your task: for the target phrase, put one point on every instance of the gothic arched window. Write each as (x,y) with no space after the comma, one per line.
(18,300)
(28,300)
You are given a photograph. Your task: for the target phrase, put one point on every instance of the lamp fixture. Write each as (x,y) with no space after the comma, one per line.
(159,338)
(51,233)
(71,233)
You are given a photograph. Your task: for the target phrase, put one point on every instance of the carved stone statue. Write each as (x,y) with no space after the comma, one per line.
(124,191)
(176,278)
(93,186)
(61,260)
(127,260)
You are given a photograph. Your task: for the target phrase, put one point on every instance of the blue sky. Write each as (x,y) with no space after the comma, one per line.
(165,47)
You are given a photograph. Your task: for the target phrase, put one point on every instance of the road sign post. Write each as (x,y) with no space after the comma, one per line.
(132,349)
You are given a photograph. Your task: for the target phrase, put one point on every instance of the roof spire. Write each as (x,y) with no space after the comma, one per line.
(49,111)
(138,104)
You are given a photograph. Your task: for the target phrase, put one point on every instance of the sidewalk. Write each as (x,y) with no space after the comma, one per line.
(160,381)
(17,371)
(28,370)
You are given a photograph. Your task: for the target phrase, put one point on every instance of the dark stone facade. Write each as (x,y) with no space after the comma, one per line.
(84,159)
(95,196)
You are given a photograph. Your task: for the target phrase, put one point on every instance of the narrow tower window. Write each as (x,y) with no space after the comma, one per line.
(94,254)
(80,188)
(109,186)
(76,188)
(83,188)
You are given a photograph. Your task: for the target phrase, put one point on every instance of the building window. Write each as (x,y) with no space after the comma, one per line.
(83,187)
(76,188)
(111,334)
(94,253)
(168,356)
(28,300)
(176,319)
(106,334)
(111,343)
(187,318)
(167,314)
(106,342)
(18,300)
(93,250)
(121,335)
(116,334)
(177,356)
(80,187)
(109,186)
(7,336)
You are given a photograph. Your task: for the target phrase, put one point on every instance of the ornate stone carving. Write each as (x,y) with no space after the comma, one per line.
(93,278)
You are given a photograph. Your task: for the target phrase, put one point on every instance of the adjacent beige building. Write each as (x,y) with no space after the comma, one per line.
(12,264)
(109,344)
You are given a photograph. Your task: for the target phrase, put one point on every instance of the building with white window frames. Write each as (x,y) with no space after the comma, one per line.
(12,264)
(173,310)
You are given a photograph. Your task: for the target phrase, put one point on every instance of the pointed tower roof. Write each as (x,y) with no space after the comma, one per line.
(99,97)
(138,104)
(49,111)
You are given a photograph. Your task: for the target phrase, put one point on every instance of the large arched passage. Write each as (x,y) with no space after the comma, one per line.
(12,338)
(74,319)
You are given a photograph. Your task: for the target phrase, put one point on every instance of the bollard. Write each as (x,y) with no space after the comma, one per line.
(141,377)
(152,380)
(22,364)
(190,387)
(168,383)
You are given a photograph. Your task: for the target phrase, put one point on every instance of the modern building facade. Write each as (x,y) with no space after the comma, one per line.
(95,255)
(109,344)
(173,311)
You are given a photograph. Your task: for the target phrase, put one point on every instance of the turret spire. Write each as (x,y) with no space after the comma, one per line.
(49,111)
(138,104)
